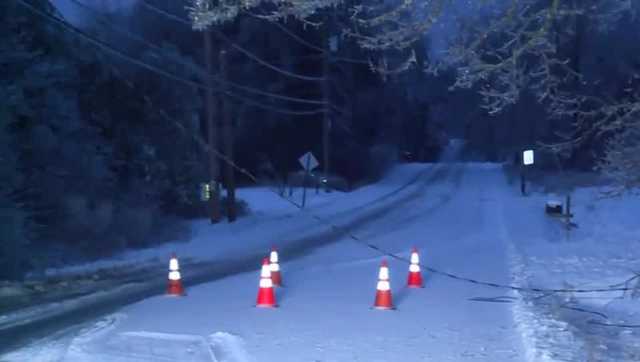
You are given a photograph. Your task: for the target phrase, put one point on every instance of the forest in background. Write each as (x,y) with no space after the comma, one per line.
(100,153)
(91,152)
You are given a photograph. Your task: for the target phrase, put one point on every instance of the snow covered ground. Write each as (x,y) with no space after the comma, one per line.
(604,250)
(271,219)
(464,218)
(324,312)
(214,251)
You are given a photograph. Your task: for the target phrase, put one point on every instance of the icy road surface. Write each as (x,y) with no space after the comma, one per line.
(457,223)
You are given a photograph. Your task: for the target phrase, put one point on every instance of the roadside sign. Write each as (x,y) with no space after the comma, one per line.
(308,161)
(527,157)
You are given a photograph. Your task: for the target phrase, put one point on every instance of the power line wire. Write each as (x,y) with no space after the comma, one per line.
(308,44)
(197,138)
(350,60)
(292,34)
(606,289)
(118,53)
(278,110)
(237,47)
(192,66)
(611,288)
(319,219)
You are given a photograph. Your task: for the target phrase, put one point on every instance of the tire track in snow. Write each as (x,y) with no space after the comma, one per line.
(229,348)
(64,315)
(544,339)
(524,318)
(399,218)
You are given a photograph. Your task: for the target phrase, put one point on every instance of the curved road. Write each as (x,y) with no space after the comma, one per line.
(454,216)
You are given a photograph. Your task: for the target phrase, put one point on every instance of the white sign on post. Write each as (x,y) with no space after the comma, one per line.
(527,157)
(308,161)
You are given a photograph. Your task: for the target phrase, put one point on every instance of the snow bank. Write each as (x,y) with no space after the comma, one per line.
(271,218)
(604,250)
(226,249)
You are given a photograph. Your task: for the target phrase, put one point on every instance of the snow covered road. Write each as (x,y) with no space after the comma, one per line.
(215,251)
(324,315)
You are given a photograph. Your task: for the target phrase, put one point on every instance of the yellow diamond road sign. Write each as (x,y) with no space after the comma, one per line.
(308,161)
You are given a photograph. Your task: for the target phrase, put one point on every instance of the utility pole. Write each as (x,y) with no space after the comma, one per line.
(304,181)
(523,180)
(326,88)
(212,133)
(227,134)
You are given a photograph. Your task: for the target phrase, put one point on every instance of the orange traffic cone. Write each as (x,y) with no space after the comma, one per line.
(415,277)
(383,290)
(175,282)
(276,278)
(266,295)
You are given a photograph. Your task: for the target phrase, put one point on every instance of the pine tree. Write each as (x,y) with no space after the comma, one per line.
(13,231)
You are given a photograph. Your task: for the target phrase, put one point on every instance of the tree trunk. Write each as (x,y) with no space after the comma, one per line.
(326,87)
(212,134)
(227,131)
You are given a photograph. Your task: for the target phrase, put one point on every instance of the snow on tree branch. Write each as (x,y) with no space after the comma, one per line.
(384,70)
(621,161)
(521,48)
(393,25)
(205,13)
(516,51)
(616,123)
(607,13)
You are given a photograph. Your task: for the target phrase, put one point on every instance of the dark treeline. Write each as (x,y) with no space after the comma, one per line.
(92,160)
(561,77)
(100,154)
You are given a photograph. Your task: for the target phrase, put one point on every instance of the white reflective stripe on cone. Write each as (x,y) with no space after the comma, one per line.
(174,275)
(273,257)
(384,273)
(414,268)
(266,283)
(265,272)
(275,267)
(173,264)
(415,259)
(384,285)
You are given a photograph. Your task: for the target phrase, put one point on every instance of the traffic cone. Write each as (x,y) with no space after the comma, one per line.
(266,295)
(276,277)
(383,289)
(175,282)
(415,277)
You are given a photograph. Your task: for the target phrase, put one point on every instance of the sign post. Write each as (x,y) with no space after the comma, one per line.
(304,181)
(527,160)
(308,162)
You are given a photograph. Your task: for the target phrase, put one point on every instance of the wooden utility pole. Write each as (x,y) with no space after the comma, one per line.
(212,133)
(304,181)
(326,88)
(227,134)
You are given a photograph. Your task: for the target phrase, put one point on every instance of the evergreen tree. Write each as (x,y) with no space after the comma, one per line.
(13,218)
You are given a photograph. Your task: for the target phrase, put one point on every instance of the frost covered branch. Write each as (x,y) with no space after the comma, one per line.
(516,51)
(395,25)
(384,70)
(205,13)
